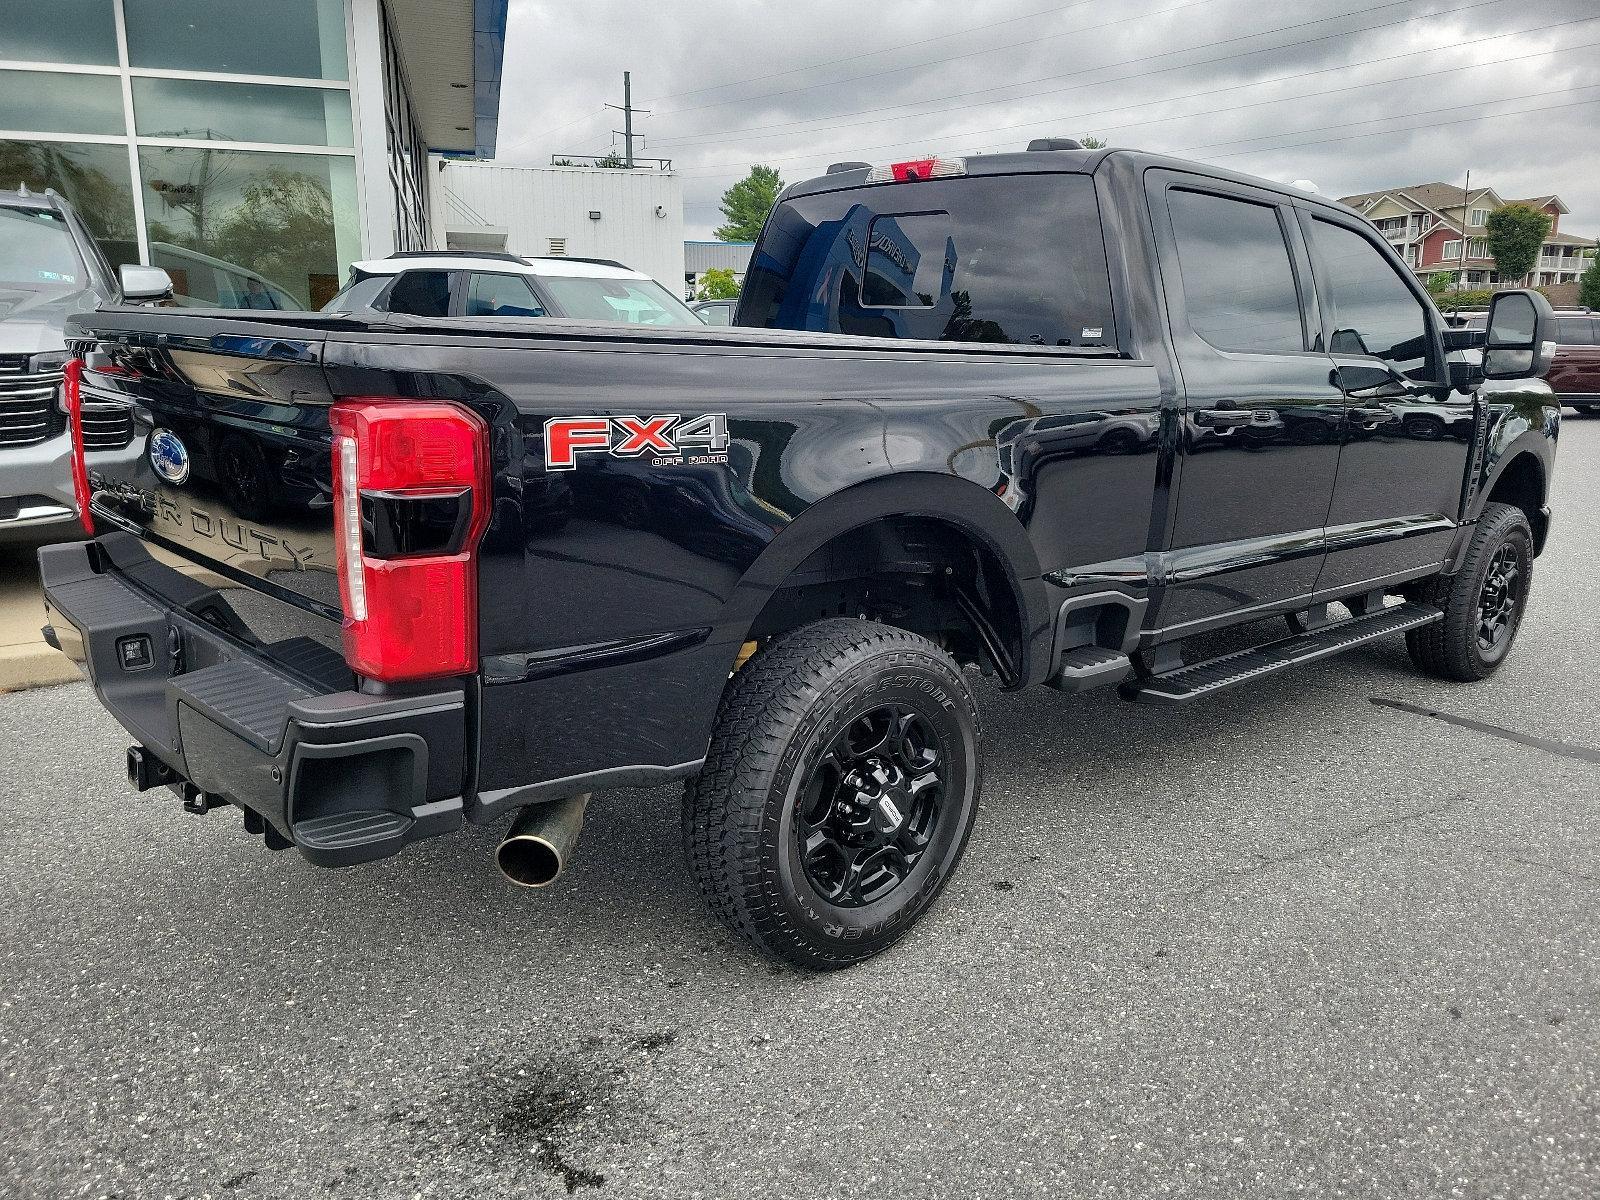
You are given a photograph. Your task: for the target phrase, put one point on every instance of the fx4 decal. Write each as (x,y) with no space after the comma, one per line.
(669,439)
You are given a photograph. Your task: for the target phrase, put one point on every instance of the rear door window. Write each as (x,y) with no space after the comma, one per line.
(495,295)
(1239,288)
(420,294)
(1015,259)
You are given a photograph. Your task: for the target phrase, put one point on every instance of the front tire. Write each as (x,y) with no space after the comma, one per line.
(838,794)
(1483,602)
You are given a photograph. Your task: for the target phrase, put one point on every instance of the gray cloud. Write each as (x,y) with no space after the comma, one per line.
(1354,95)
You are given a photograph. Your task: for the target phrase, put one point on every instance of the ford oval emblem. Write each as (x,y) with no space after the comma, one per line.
(169,456)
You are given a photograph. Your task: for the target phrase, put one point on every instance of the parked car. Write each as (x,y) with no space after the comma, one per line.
(490,284)
(1575,373)
(788,547)
(715,312)
(201,281)
(50,268)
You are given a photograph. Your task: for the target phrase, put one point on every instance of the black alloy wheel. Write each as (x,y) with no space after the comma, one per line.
(871,806)
(1499,600)
(839,791)
(1483,602)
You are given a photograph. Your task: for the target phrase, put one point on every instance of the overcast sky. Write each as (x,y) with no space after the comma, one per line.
(1354,95)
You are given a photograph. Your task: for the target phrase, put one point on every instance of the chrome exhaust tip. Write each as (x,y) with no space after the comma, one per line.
(541,840)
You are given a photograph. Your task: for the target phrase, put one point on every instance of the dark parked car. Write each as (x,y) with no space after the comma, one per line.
(1575,373)
(50,268)
(788,546)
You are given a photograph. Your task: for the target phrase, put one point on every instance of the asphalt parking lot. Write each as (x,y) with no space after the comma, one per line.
(1289,942)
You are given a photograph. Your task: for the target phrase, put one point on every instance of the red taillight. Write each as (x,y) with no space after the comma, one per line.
(408,613)
(72,394)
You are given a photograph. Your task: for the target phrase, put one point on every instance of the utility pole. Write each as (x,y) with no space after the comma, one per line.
(627,110)
(1466,226)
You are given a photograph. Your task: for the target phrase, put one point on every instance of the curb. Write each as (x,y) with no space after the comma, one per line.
(23,667)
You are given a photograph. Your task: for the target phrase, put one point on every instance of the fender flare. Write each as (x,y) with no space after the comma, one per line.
(1531,443)
(968,506)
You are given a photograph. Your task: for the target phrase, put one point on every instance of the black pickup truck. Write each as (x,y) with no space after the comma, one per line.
(1043,415)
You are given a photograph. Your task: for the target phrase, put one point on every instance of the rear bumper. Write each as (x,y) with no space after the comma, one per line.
(344,776)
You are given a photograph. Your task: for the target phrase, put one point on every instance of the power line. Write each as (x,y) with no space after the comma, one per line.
(961,137)
(1424,112)
(923,66)
(831,122)
(551,132)
(1403,129)
(1058,120)
(938,37)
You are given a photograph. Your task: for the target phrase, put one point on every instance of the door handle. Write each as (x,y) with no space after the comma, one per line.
(1224,418)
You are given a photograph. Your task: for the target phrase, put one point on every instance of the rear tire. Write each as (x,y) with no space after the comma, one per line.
(838,794)
(1483,602)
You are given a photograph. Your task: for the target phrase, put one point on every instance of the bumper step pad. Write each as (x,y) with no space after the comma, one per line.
(242,698)
(1218,674)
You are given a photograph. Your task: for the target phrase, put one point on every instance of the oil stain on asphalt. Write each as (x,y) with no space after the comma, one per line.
(545,1112)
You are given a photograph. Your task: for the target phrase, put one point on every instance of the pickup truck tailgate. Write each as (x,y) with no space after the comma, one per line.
(206,611)
(232,466)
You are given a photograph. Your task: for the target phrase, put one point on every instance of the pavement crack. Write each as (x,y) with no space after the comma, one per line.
(1344,841)
(1548,745)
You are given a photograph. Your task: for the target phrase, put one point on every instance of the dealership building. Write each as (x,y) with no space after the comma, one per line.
(247,143)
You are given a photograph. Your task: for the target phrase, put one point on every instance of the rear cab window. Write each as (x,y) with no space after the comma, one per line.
(1009,259)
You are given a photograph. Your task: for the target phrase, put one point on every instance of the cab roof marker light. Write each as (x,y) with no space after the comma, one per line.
(917,169)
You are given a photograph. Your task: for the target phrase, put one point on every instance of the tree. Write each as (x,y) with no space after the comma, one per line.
(717,284)
(748,203)
(1089,142)
(1589,285)
(1440,282)
(613,160)
(1515,233)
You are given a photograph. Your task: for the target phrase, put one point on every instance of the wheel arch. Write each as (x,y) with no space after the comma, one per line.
(969,510)
(1520,477)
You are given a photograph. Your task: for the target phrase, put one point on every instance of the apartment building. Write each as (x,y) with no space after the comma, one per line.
(1441,227)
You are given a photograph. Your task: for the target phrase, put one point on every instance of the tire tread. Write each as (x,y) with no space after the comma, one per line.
(724,806)
(1442,649)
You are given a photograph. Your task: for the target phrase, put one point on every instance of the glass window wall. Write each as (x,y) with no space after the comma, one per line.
(95,180)
(63,31)
(288,221)
(240,112)
(301,39)
(58,102)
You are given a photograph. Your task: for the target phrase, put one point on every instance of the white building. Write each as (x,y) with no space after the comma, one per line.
(634,217)
(699,257)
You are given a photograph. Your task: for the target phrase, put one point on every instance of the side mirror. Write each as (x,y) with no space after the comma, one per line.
(144,283)
(1518,345)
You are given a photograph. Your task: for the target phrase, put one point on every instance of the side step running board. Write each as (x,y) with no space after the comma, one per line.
(1217,674)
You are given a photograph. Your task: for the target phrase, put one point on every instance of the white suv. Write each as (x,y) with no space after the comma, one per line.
(460,284)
